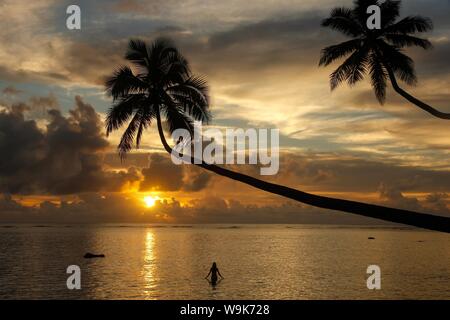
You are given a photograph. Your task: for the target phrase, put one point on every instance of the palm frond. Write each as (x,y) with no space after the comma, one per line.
(343,20)
(193,96)
(411,25)
(163,82)
(378,77)
(404,40)
(332,53)
(137,53)
(352,70)
(390,11)
(123,82)
(148,114)
(177,119)
(176,68)
(126,142)
(158,53)
(400,63)
(120,112)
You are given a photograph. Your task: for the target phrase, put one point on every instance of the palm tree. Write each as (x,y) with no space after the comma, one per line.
(163,86)
(378,51)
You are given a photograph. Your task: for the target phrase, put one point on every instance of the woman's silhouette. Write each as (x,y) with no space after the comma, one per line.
(214,271)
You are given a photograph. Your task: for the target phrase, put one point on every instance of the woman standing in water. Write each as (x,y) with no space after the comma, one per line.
(214,271)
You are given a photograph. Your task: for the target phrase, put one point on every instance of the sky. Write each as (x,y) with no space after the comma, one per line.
(260,59)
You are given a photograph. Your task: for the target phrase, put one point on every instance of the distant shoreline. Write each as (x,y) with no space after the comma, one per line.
(207,225)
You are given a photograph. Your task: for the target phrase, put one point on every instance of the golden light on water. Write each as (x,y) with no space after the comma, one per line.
(149,265)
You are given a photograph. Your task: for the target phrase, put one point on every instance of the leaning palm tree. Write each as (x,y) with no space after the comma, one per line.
(378,51)
(163,86)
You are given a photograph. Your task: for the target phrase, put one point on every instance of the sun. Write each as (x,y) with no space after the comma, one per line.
(150,201)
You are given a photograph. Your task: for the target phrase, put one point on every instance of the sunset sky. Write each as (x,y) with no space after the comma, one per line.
(260,59)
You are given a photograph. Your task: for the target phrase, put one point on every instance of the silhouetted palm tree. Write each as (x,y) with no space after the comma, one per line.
(377,52)
(164,86)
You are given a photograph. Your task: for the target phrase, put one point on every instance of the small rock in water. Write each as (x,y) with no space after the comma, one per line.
(92,255)
(371,238)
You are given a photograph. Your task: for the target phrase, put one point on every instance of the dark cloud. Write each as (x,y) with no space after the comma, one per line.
(23,76)
(163,175)
(90,63)
(338,172)
(291,30)
(11,91)
(195,179)
(65,158)
(77,62)
(394,197)
(113,160)
(37,107)
(437,202)
(128,6)
(434,202)
(269,44)
(44,103)
(429,63)
(259,45)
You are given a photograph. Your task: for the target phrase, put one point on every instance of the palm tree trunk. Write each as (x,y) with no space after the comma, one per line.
(427,221)
(410,98)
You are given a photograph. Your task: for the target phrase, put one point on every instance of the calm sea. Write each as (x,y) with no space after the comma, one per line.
(257,261)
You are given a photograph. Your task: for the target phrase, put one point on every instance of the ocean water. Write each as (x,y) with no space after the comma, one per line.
(257,261)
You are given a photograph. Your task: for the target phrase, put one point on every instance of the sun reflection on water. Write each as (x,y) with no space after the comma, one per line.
(149,265)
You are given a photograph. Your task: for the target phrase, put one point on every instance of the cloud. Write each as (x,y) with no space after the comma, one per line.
(116,207)
(260,59)
(437,202)
(44,103)
(346,172)
(64,158)
(71,155)
(11,91)
(163,175)
(128,6)
(196,179)
(394,197)
(434,202)
(126,208)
